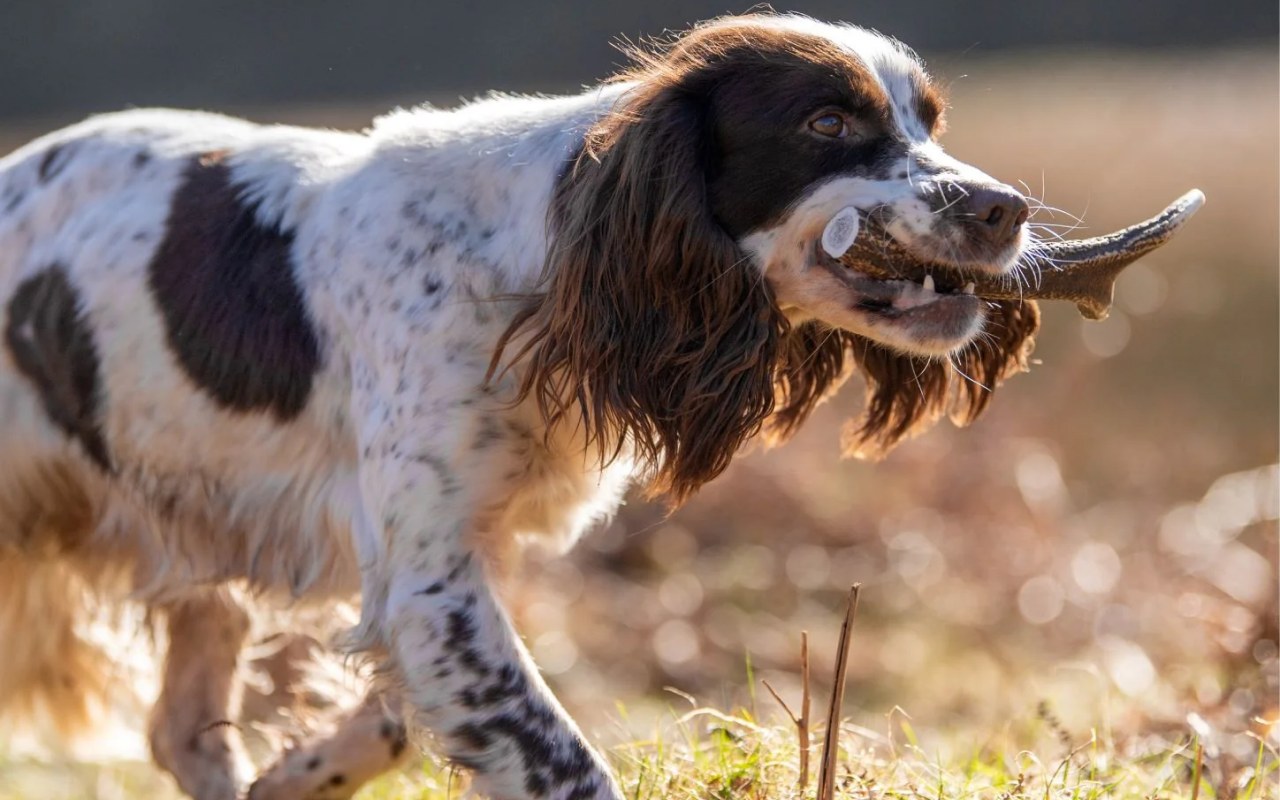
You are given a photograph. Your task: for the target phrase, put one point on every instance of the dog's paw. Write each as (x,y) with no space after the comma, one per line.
(302,774)
(334,768)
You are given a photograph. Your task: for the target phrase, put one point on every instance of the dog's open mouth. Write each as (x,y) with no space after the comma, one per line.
(892,282)
(920,289)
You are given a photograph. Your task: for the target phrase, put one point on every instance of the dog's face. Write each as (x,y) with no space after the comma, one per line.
(813,119)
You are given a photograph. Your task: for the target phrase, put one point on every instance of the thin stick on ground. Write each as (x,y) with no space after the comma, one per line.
(1195,772)
(831,742)
(802,721)
(805,697)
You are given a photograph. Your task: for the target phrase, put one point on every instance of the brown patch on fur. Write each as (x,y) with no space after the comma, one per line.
(53,346)
(931,106)
(223,279)
(905,395)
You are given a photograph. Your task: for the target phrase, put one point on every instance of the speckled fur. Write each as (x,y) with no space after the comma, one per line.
(383,465)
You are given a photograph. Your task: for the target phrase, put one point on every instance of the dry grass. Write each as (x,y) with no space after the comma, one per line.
(1068,598)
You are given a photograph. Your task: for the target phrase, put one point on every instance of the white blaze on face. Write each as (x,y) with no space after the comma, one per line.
(840,232)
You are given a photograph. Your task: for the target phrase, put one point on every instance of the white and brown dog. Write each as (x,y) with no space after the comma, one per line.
(272,362)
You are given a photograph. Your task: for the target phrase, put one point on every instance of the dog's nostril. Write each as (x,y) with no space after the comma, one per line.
(1002,211)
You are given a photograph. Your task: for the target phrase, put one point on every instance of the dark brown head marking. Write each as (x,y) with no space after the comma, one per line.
(53,346)
(930,106)
(224,282)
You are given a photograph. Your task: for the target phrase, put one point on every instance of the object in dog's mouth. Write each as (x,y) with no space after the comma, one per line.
(840,232)
(1083,271)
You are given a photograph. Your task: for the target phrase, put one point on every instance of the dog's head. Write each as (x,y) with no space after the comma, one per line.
(689,298)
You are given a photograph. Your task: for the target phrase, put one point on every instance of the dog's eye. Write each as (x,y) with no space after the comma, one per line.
(830,124)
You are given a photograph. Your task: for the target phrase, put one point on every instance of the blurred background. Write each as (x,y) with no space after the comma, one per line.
(1100,549)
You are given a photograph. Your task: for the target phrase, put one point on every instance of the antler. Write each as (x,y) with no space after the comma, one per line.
(1083,271)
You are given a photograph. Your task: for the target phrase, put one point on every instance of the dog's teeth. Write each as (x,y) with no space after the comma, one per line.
(927,283)
(969,287)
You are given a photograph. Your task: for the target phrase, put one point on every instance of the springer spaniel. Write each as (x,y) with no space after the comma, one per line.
(246,362)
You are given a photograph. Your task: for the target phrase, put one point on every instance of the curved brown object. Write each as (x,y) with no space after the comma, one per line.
(1083,271)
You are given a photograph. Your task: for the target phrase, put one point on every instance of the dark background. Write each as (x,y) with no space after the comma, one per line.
(63,58)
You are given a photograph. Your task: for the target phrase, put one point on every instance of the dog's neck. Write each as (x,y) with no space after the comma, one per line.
(499,158)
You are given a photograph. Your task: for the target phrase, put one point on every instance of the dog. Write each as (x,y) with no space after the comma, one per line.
(250,365)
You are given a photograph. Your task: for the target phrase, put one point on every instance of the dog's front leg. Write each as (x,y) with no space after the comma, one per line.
(465,673)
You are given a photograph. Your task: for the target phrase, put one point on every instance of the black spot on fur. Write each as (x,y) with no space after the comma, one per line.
(395,733)
(488,433)
(460,636)
(462,565)
(53,346)
(473,736)
(535,783)
(583,791)
(233,312)
(54,160)
(399,743)
(509,684)
(529,731)
(141,159)
(461,629)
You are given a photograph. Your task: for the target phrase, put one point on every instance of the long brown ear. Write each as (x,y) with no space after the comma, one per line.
(906,395)
(651,321)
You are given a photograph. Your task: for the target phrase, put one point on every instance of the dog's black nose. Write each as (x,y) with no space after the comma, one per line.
(998,210)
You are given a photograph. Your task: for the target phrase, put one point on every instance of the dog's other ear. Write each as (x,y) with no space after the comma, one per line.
(652,324)
(905,395)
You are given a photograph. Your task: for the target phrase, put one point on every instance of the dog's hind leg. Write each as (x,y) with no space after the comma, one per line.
(366,743)
(193,734)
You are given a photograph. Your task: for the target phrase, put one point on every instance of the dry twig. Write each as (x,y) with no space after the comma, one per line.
(802,721)
(831,743)
(805,697)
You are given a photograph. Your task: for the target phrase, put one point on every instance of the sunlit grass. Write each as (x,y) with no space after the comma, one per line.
(706,754)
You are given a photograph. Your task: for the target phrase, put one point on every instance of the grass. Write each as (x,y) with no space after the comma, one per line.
(748,754)
(706,754)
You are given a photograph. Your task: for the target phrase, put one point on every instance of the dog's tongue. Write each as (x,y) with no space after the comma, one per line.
(1083,271)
